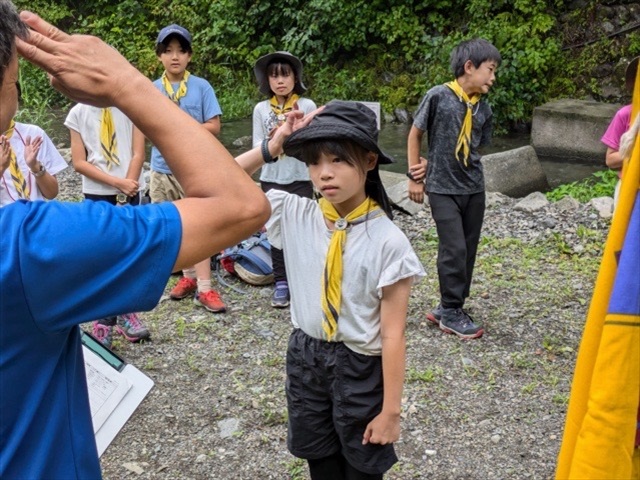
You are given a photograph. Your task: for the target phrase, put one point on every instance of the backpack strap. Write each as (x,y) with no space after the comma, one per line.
(257,261)
(264,243)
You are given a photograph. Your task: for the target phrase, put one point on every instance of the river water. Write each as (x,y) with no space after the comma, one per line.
(393,140)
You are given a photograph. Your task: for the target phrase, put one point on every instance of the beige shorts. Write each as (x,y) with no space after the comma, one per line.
(164,188)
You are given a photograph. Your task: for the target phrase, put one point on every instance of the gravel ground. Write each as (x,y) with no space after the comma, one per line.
(491,408)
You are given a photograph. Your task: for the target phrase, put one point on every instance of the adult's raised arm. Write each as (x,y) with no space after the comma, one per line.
(224,205)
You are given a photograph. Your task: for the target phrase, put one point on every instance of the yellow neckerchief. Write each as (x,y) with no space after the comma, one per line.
(280,110)
(108,138)
(182,88)
(464,138)
(332,274)
(19,182)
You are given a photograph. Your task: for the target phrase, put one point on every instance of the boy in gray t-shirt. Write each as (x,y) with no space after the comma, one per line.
(457,122)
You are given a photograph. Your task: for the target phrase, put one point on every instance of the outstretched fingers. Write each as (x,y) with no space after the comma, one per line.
(43,27)
(82,67)
(42,41)
(298,123)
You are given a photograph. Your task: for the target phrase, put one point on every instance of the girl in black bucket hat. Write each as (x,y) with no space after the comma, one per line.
(279,77)
(350,270)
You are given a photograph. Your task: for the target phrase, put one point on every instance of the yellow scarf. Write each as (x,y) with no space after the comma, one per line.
(19,182)
(332,274)
(182,88)
(280,110)
(108,139)
(464,138)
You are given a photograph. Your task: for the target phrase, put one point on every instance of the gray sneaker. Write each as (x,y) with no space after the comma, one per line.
(131,327)
(435,315)
(458,322)
(281,297)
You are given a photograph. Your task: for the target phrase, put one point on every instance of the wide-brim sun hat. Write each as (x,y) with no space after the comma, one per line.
(340,120)
(173,29)
(260,71)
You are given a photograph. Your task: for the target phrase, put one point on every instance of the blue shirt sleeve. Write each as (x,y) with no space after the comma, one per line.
(84,261)
(210,106)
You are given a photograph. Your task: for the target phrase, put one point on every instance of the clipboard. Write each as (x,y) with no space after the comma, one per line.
(116,388)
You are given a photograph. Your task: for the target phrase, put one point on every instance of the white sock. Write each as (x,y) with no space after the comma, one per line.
(204,285)
(189,273)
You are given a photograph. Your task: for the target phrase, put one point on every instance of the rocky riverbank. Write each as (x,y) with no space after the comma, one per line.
(491,408)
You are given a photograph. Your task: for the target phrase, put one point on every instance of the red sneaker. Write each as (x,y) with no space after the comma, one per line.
(210,300)
(184,288)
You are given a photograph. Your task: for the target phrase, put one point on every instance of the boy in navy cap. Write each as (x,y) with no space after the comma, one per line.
(195,96)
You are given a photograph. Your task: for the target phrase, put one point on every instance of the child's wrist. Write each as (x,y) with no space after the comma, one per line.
(266,149)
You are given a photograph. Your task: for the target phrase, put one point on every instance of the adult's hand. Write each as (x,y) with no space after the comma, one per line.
(82,67)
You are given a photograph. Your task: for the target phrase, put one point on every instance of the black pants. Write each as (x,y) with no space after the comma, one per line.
(458,221)
(302,189)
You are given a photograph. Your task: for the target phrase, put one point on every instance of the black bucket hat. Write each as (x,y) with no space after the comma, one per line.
(340,120)
(260,70)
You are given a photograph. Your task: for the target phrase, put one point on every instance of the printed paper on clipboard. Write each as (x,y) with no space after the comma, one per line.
(115,387)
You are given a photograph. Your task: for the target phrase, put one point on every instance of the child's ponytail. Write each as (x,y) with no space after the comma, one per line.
(374,189)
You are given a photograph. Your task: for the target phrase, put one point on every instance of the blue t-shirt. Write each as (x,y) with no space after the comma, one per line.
(200,102)
(63,264)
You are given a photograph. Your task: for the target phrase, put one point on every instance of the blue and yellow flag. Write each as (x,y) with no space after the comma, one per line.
(599,441)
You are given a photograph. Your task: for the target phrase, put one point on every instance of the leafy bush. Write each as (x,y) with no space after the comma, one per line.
(599,184)
(391,52)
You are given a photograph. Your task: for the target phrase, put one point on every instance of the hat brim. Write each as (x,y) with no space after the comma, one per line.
(294,145)
(260,71)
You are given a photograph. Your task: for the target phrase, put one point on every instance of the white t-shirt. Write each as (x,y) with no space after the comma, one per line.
(287,169)
(377,254)
(48,156)
(86,120)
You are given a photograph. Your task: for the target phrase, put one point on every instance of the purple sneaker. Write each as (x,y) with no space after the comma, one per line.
(131,328)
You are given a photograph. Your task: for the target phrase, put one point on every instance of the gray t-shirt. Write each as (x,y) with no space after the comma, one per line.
(440,115)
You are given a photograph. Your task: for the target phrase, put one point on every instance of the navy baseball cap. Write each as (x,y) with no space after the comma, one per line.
(173,29)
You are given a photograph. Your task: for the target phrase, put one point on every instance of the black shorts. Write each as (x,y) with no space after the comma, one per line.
(332,395)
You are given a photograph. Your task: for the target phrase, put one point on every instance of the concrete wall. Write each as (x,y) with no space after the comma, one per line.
(571,129)
(515,173)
